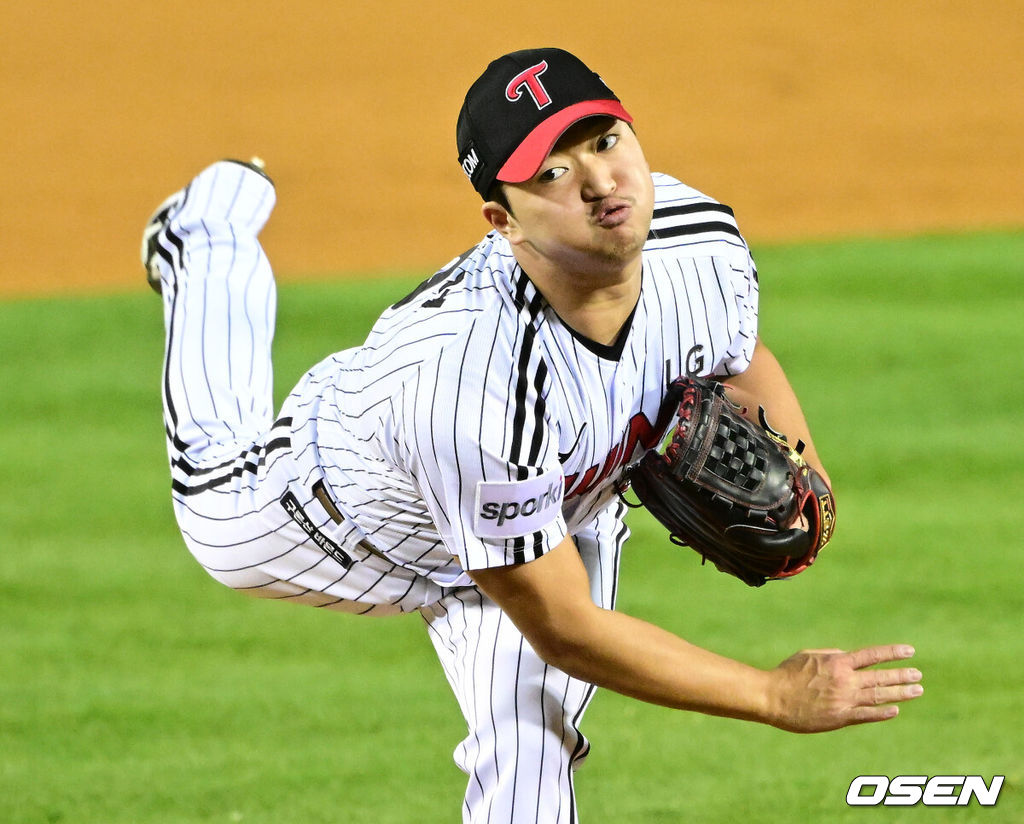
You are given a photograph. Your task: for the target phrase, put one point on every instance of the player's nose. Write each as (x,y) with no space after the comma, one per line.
(596,178)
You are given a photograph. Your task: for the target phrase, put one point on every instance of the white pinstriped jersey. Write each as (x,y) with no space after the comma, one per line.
(474,428)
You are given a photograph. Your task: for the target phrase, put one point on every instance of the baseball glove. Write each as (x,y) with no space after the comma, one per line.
(732,490)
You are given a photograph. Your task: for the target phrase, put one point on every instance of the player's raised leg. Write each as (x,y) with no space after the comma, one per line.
(201,249)
(219,307)
(231,462)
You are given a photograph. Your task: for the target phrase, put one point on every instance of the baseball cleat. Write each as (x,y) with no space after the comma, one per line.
(152,251)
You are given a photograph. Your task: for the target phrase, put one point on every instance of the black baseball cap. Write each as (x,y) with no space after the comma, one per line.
(518,108)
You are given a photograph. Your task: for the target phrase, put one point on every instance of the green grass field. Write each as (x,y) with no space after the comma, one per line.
(135,689)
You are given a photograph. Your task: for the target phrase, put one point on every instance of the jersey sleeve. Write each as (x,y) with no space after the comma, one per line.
(481,448)
(694,233)
(740,278)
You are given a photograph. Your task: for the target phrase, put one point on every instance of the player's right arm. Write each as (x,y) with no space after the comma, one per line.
(816,690)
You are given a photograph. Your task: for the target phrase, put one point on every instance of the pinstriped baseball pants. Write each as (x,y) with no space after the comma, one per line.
(230,464)
(524,744)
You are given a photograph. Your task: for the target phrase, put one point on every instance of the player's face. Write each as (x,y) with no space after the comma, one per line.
(588,209)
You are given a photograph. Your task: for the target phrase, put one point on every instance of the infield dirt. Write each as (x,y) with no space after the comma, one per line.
(812,119)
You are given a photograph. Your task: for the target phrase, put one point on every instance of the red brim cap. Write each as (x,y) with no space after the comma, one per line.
(524,162)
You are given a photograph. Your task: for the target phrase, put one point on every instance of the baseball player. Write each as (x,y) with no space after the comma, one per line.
(463,461)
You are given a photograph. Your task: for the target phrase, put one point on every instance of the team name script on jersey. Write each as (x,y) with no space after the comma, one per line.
(640,434)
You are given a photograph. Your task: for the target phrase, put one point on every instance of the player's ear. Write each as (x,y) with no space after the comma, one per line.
(501,219)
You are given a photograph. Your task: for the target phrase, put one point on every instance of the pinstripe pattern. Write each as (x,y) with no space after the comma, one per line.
(230,461)
(394,467)
(523,744)
(473,378)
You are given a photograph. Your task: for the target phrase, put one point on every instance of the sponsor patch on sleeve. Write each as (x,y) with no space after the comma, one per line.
(511,509)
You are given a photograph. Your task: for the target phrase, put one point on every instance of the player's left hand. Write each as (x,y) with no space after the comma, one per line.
(825,689)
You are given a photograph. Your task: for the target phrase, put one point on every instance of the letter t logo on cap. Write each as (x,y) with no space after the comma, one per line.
(530,80)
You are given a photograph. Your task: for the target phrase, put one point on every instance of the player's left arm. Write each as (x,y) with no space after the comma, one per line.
(764,383)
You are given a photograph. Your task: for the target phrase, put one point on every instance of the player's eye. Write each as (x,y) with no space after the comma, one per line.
(605,142)
(553,173)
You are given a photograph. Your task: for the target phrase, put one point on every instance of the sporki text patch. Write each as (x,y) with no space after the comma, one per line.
(510,509)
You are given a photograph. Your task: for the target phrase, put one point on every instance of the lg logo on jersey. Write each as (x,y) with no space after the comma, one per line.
(695,361)
(909,790)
